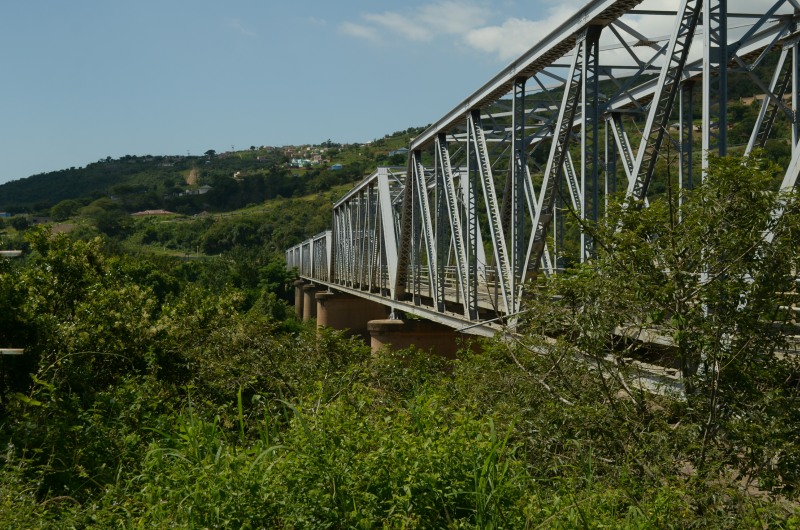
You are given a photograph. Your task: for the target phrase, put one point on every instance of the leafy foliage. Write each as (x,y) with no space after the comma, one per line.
(164,392)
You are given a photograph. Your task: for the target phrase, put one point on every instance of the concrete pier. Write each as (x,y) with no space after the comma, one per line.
(422,334)
(309,303)
(347,312)
(298,298)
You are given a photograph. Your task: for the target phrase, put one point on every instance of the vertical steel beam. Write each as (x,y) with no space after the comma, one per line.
(425,225)
(795,94)
(469,190)
(686,127)
(336,252)
(374,238)
(388,231)
(351,257)
(456,225)
(611,161)
(442,241)
(330,253)
(492,208)
(363,230)
(405,234)
(590,138)
(715,80)
(519,178)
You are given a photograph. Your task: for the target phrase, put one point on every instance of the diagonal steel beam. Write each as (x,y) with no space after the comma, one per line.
(555,162)
(667,90)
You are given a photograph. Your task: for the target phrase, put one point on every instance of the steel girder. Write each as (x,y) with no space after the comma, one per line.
(619,91)
(453,208)
(363,243)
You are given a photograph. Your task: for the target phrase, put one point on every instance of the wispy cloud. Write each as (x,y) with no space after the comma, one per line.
(402,25)
(445,17)
(359,31)
(466,23)
(239,27)
(515,36)
(316,21)
(472,24)
(453,18)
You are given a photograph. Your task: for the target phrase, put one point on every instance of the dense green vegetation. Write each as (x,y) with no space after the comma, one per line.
(159,391)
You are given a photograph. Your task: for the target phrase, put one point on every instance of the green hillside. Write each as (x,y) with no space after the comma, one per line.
(232,180)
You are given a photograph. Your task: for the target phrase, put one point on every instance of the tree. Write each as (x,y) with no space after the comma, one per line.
(64,209)
(20,222)
(701,274)
(210,153)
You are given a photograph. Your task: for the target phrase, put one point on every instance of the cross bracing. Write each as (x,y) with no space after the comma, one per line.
(497,190)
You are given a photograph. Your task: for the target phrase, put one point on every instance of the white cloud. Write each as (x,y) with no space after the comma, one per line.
(508,40)
(359,31)
(400,24)
(453,17)
(445,17)
(467,22)
(517,35)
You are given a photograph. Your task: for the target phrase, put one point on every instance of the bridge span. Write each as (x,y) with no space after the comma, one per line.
(621,97)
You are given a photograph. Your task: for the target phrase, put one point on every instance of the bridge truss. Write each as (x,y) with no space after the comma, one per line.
(616,100)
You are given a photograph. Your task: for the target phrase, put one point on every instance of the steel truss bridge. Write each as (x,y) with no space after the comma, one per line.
(602,105)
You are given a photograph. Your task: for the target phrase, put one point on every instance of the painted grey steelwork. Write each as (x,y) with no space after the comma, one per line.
(496,191)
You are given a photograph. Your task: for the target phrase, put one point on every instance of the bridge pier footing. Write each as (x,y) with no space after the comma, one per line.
(347,312)
(422,334)
(298,298)
(309,303)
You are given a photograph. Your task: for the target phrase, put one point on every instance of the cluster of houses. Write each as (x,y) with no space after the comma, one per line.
(304,155)
(202,190)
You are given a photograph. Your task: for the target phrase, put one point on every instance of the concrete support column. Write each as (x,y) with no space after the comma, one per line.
(347,312)
(309,303)
(422,334)
(298,298)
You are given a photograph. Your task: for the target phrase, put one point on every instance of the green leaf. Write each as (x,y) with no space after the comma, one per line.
(27,400)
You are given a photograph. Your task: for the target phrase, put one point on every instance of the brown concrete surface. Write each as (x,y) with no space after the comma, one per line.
(422,334)
(298,298)
(347,312)
(309,303)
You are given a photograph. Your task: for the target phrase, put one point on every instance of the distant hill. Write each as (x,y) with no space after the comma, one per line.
(95,180)
(190,184)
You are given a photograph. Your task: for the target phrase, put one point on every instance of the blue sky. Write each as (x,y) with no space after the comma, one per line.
(87,79)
